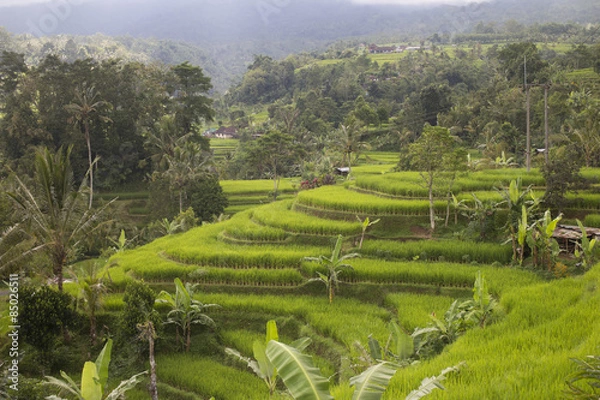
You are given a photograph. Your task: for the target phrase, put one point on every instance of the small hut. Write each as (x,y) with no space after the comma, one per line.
(568,236)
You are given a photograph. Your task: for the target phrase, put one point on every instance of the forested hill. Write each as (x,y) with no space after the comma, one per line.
(127,48)
(223,36)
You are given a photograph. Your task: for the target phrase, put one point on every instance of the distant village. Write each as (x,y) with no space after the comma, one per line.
(227,132)
(375,49)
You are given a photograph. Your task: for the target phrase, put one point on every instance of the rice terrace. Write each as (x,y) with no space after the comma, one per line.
(300,200)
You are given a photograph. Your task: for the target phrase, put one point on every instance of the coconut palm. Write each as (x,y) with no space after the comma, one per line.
(86,105)
(147,332)
(350,144)
(335,266)
(52,211)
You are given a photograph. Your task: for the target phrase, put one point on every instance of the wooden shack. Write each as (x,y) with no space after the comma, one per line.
(568,236)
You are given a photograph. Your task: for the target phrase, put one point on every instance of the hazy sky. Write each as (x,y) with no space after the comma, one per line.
(414,2)
(74,2)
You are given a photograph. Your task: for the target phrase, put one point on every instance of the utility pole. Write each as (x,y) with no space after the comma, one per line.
(526,86)
(546,129)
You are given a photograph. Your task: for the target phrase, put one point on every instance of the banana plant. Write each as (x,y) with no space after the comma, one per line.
(261,365)
(305,382)
(335,266)
(185,311)
(482,306)
(428,385)
(121,243)
(523,230)
(365,224)
(545,247)
(93,380)
(586,251)
(398,349)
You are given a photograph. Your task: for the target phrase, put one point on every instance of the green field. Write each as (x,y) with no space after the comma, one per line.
(253,265)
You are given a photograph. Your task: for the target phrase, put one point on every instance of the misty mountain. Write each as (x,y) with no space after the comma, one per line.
(230,21)
(232,31)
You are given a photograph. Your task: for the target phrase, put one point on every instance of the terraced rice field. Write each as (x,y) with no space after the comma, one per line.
(254,266)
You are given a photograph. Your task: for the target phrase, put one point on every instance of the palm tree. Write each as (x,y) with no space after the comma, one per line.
(187,164)
(335,266)
(81,110)
(147,332)
(349,142)
(90,281)
(53,212)
(185,310)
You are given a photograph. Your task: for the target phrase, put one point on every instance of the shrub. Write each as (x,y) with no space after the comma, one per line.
(43,314)
(138,307)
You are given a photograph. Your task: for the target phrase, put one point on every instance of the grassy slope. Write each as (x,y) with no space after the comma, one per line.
(525,355)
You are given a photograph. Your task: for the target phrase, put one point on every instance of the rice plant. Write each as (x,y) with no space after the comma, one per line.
(527,354)
(448,250)
(592,220)
(280,215)
(208,378)
(340,199)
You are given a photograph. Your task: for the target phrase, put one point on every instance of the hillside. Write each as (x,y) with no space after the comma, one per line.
(252,266)
(223,37)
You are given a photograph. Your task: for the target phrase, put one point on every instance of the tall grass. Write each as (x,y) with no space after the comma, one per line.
(527,354)
(592,220)
(414,309)
(255,186)
(208,378)
(242,227)
(184,253)
(341,199)
(280,215)
(582,200)
(410,183)
(437,274)
(252,276)
(346,320)
(448,250)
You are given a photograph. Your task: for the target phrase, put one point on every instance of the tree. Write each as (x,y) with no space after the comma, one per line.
(185,310)
(335,265)
(188,164)
(51,210)
(147,332)
(586,251)
(90,281)
(562,175)
(191,105)
(545,248)
(139,301)
(349,142)
(274,153)
(513,57)
(85,106)
(430,155)
(94,378)
(581,128)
